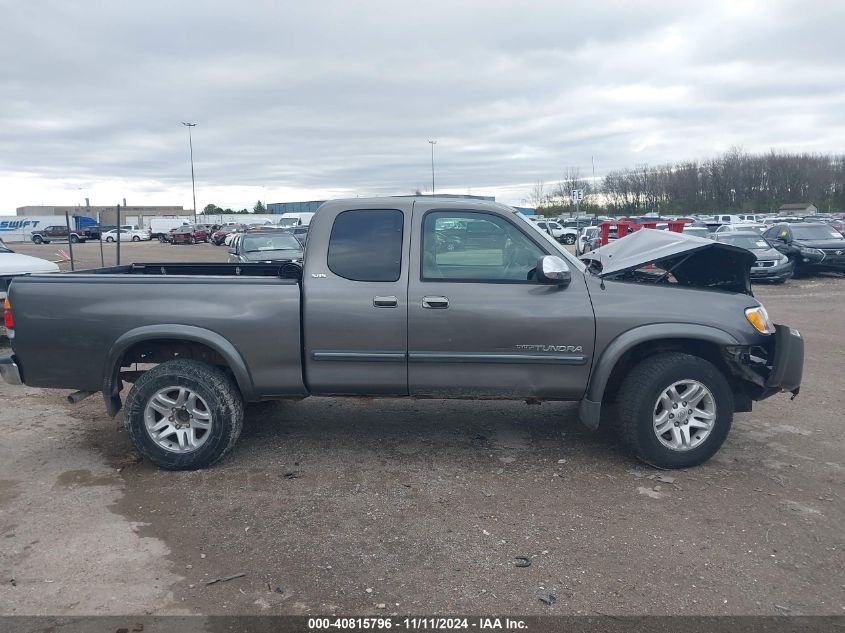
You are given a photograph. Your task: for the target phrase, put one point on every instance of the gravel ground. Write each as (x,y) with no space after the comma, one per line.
(382,506)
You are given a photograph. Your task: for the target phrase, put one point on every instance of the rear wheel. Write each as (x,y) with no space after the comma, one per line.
(569,239)
(675,410)
(184,415)
(135,238)
(74,239)
(37,239)
(110,239)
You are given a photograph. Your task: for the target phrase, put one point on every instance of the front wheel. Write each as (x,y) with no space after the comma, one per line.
(110,239)
(74,239)
(37,239)
(676,410)
(569,239)
(135,238)
(184,414)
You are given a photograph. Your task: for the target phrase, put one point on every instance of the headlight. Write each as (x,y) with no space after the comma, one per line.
(805,250)
(782,259)
(759,318)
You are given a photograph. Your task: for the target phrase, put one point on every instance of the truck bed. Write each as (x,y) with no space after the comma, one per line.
(74,327)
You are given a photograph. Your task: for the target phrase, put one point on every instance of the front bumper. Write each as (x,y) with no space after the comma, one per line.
(788,360)
(772,273)
(10,371)
(770,367)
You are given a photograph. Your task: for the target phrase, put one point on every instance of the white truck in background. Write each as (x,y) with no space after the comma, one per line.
(287,220)
(162,226)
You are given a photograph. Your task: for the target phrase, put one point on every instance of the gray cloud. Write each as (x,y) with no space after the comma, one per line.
(342,96)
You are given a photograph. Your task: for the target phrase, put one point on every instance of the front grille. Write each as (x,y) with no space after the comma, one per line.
(765,263)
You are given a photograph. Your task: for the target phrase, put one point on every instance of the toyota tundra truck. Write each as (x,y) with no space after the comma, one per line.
(415,298)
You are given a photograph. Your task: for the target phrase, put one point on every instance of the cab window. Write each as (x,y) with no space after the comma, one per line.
(468,246)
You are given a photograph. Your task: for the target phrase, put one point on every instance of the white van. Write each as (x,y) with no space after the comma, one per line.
(287,220)
(162,226)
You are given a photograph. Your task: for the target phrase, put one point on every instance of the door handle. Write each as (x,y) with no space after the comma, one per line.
(435,303)
(385,302)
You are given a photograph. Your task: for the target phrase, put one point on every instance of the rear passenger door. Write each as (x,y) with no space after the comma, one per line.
(355,301)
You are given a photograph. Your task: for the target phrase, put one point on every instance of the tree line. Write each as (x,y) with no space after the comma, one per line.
(213,209)
(735,181)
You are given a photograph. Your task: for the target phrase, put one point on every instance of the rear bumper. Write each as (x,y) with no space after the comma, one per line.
(10,371)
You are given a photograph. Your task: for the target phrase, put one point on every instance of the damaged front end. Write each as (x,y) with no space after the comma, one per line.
(663,257)
(772,367)
(772,358)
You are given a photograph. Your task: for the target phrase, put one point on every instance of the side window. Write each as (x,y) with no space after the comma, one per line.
(366,245)
(465,246)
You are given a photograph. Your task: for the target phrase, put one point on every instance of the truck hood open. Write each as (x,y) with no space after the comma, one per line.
(675,258)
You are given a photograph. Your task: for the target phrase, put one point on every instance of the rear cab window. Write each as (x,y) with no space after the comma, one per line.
(366,245)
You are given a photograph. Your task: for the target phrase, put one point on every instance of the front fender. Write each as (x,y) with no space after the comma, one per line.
(590,410)
(192,333)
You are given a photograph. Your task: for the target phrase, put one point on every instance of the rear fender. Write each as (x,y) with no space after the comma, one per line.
(111,369)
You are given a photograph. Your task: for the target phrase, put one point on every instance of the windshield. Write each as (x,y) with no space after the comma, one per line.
(270,242)
(746,241)
(816,233)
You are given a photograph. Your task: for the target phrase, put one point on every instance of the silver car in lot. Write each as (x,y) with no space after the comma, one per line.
(265,245)
(771,264)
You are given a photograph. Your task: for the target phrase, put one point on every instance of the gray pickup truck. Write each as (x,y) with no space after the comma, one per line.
(422,298)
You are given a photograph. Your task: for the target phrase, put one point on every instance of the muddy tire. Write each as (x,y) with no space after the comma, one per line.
(675,410)
(184,414)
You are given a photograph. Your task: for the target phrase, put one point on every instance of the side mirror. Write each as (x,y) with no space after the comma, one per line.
(551,269)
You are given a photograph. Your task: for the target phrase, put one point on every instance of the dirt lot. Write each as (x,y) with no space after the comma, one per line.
(422,506)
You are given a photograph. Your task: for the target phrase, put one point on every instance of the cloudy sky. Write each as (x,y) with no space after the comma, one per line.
(303,100)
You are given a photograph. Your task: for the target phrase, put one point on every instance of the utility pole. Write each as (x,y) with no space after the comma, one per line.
(433,143)
(193,185)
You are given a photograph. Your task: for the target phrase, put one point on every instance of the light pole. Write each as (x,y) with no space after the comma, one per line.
(433,143)
(193,185)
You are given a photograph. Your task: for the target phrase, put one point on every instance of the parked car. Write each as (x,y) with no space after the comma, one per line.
(57,233)
(14,264)
(266,245)
(585,241)
(301,233)
(95,231)
(697,231)
(752,218)
(291,219)
(564,235)
(218,237)
(189,234)
(810,247)
(771,264)
(377,310)
(741,228)
(126,235)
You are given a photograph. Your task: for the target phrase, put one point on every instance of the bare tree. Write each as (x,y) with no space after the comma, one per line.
(537,194)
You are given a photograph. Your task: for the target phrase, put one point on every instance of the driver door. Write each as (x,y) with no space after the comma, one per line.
(479,324)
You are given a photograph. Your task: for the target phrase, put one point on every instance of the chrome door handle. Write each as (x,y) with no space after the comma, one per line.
(385,302)
(435,303)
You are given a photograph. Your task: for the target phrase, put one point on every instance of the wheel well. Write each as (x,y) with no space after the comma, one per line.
(156,351)
(695,347)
